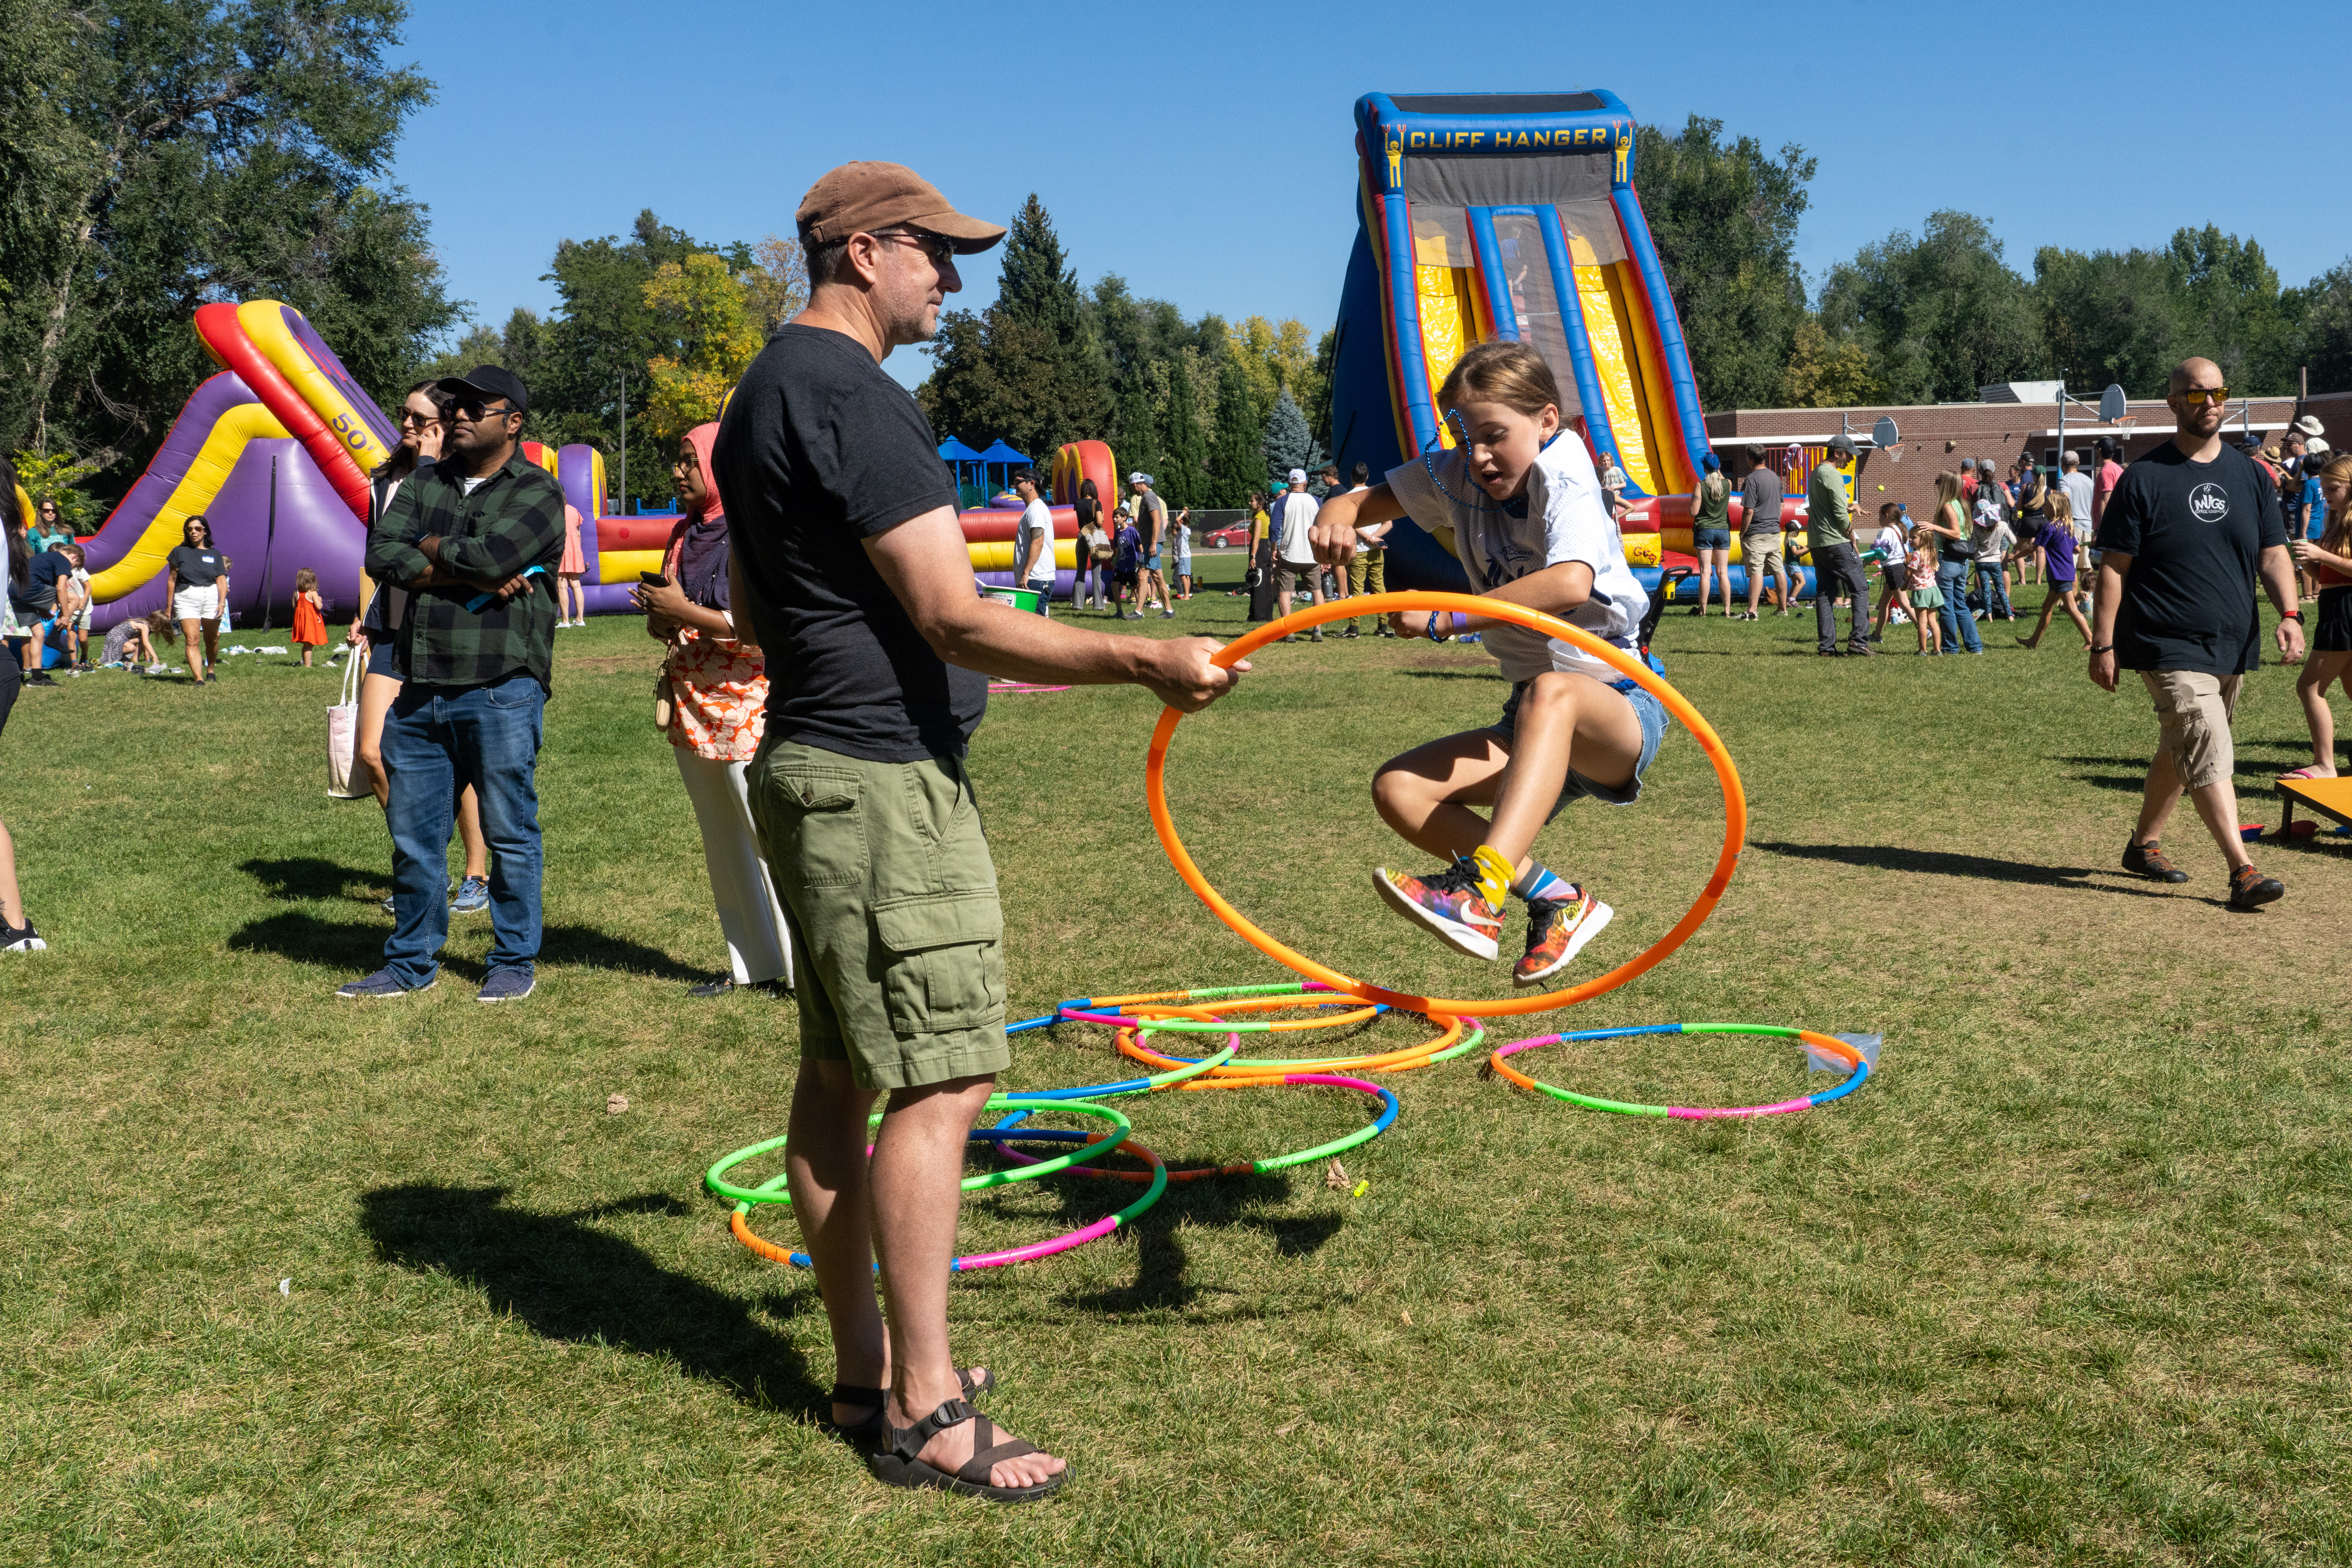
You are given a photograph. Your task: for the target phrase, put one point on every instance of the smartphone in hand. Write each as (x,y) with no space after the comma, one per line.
(653,579)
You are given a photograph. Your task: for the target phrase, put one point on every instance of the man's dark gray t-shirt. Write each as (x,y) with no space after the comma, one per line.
(2195,533)
(1759,501)
(819,451)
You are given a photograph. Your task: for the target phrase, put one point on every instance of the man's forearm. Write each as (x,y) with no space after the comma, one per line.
(999,640)
(2278,578)
(2103,622)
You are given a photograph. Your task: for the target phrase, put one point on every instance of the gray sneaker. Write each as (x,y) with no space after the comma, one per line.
(473,897)
(506,986)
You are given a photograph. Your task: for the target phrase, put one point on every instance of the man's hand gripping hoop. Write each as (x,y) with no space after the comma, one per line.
(1734,804)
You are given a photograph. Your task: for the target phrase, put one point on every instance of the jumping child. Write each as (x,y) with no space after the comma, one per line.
(2329,562)
(1531,523)
(309,615)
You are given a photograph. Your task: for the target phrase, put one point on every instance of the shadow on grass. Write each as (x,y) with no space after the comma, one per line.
(569,1280)
(1451,674)
(1944,863)
(307,877)
(346,944)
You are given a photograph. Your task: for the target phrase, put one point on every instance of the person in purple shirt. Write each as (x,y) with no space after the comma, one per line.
(2054,537)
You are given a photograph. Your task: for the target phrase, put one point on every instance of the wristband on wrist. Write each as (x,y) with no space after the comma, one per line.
(2108,648)
(2292,615)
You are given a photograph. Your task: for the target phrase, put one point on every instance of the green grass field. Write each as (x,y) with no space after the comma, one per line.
(2064,1283)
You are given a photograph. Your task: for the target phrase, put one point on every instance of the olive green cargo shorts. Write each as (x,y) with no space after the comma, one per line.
(890,898)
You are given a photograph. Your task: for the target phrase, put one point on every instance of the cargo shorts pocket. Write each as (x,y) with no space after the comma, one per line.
(811,827)
(942,961)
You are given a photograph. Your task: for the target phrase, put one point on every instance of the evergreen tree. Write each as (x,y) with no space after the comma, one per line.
(1136,441)
(1236,466)
(1183,476)
(1040,311)
(1288,444)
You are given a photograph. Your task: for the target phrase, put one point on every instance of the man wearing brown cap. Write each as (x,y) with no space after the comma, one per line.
(848,553)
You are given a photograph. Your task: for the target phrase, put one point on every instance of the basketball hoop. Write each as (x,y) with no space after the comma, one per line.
(1895,453)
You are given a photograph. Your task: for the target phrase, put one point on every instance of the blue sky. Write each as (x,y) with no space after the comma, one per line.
(1204,151)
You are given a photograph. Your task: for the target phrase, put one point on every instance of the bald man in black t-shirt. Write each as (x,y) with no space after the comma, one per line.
(2188,532)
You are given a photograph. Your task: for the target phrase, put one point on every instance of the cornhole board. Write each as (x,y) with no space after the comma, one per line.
(2331,798)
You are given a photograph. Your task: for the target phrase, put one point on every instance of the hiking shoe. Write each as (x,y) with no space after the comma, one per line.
(21,939)
(2147,860)
(1452,903)
(40,678)
(1166,615)
(383,983)
(508,985)
(1351,632)
(473,897)
(2250,890)
(1314,635)
(1557,929)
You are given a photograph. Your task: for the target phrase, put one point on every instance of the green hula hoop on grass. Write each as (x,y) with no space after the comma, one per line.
(770,1193)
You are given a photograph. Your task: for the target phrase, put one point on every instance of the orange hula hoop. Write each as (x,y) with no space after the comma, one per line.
(1735,804)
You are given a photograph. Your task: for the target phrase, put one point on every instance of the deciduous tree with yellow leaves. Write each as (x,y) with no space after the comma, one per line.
(705,310)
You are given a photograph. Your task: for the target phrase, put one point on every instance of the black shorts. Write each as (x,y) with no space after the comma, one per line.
(2331,628)
(11,683)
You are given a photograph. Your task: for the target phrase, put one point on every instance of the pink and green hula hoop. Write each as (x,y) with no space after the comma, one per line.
(1824,1043)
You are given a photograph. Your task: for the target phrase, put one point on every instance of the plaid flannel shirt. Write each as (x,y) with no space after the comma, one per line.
(514,520)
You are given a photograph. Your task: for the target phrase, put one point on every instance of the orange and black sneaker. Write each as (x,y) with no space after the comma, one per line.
(2147,860)
(1463,903)
(1557,929)
(2248,889)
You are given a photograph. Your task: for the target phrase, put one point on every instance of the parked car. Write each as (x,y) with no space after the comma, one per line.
(1233,537)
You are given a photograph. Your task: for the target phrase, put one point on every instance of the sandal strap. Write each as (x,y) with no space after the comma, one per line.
(978,1469)
(907,1442)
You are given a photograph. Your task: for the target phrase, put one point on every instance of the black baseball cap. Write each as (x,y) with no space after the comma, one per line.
(487,381)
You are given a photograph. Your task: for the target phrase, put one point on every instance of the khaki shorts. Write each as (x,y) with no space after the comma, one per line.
(890,899)
(1296,577)
(2193,711)
(1760,550)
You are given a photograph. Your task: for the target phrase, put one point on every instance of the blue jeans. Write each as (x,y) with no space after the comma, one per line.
(1960,629)
(437,741)
(1992,591)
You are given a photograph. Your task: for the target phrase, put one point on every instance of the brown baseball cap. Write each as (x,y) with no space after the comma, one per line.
(860,198)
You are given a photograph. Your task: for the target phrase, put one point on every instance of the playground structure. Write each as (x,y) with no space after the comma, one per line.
(1514,217)
(274,452)
(988,531)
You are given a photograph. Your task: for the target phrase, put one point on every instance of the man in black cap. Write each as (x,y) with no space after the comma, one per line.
(466,537)
(1837,569)
(848,553)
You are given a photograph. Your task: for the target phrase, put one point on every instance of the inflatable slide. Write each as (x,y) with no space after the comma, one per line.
(1512,216)
(274,452)
(989,531)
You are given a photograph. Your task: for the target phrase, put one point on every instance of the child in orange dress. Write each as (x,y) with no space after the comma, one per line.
(309,615)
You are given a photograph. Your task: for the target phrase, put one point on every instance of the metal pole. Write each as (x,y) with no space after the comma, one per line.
(624,444)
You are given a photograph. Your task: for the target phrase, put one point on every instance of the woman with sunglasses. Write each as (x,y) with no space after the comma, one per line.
(197,579)
(424,414)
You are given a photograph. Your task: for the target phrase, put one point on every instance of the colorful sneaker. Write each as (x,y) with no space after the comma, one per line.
(1463,903)
(473,897)
(2147,860)
(1557,929)
(2248,889)
(21,939)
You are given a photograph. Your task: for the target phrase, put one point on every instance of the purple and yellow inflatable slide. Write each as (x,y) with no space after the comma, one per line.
(275,451)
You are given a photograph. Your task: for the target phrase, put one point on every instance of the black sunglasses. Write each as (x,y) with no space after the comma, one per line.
(937,246)
(475,411)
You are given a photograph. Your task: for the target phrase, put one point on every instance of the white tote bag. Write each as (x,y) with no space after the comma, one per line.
(343,731)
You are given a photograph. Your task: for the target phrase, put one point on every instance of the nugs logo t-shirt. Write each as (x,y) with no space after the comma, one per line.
(2195,533)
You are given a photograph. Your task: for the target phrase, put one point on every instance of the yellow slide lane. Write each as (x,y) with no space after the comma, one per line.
(1449,325)
(207,471)
(1607,332)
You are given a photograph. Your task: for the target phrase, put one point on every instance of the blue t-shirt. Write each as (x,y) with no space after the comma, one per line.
(2314,509)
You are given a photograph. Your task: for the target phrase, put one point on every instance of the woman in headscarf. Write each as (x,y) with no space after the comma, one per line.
(714,694)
